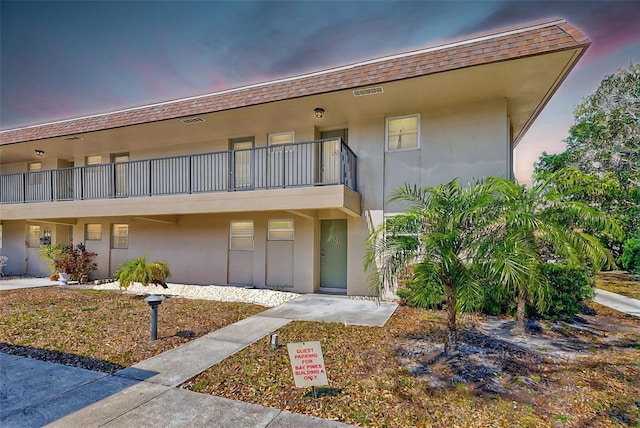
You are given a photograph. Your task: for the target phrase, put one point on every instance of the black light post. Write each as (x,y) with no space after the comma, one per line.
(154,301)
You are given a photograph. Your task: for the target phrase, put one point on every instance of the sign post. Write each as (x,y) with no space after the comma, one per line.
(307,364)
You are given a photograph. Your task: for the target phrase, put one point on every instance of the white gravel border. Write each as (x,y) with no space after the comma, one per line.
(221,293)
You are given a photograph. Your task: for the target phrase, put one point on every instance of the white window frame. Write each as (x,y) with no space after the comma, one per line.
(93,160)
(115,239)
(270,138)
(291,230)
(92,235)
(406,116)
(236,234)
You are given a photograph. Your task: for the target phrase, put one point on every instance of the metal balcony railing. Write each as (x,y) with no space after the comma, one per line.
(313,163)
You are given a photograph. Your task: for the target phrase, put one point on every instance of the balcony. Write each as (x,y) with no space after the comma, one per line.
(307,164)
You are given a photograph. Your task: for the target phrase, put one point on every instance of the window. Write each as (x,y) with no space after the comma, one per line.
(93,232)
(93,160)
(120,236)
(34,166)
(241,235)
(281,138)
(280,230)
(33,235)
(403,132)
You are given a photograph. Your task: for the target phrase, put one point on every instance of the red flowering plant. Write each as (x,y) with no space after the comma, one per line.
(77,262)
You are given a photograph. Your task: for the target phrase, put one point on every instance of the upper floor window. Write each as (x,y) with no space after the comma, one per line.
(281,138)
(281,230)
(93,160)
(34,166)
(120,236)
(403,132)
(241,235)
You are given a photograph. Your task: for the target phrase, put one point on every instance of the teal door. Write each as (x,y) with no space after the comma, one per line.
(333,254)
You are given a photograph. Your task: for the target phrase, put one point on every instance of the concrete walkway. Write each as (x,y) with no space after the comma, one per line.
(36,393)
(17,283)
(618,302)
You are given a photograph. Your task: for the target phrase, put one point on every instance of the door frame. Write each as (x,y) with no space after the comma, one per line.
(232,163)
(323,156)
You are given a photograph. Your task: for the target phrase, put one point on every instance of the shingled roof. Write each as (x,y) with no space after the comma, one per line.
(518,42)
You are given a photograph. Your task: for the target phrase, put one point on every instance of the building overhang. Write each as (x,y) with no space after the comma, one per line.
(165,208)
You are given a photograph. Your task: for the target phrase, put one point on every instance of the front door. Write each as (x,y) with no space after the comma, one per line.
(333,254)
(242,175)
(330,157)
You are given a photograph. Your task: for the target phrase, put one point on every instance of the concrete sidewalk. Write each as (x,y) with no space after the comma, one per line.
(618,302)
(17,283)
(36,393)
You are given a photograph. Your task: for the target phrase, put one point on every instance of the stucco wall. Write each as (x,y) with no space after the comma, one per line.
(196,248)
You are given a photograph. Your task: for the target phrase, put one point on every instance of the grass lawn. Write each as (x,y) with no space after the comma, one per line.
(583,373)
(104,330)
(619,282)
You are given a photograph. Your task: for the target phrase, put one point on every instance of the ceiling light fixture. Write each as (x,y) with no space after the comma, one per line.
(39,153)
(319,112)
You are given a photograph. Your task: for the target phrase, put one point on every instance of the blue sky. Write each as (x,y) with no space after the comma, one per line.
(68,59)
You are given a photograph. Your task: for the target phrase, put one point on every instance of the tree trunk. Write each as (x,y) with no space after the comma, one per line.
(522,301)
(451,344)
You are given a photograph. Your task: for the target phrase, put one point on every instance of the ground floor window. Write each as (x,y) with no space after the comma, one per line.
(281,230)
(120,236)
(241,235)
(93,232)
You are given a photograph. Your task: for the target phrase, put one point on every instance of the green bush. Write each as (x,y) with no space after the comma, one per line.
(631,255)
(139,270)
(569,288)
(496,301)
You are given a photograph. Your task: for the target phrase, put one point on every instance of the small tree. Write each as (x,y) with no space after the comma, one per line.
(139,270)
(541,221)
(439,236)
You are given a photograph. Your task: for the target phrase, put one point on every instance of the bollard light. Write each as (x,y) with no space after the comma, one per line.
(154,301)
(274,341)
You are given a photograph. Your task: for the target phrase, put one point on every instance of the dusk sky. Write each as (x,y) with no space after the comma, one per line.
(61,60)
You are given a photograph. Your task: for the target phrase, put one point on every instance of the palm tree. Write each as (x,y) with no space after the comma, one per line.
(531,224)
(139,270)
(438,236)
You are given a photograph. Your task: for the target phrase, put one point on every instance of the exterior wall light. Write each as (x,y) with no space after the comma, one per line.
(39,153)
(319,112)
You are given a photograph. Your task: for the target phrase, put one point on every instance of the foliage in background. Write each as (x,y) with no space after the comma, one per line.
(604,143)
(139,270)
(570,287)
(631,256)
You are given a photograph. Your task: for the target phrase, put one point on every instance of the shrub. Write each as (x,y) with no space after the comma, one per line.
(77,262)
(138,270)
(631,255)
(569,288)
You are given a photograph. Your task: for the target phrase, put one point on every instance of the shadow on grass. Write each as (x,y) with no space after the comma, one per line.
(324,392)
(63,358)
